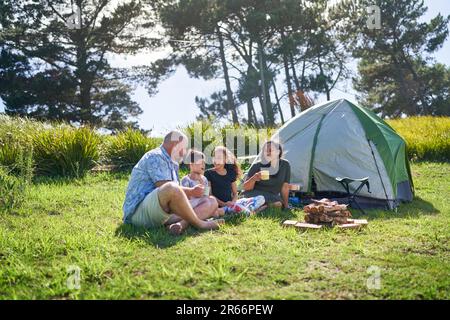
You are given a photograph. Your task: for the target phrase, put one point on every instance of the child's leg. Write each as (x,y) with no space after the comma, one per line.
(276,204)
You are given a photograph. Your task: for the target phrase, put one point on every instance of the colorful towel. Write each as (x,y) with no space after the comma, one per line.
(246,206)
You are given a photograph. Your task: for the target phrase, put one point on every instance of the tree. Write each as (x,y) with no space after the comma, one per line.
(214,107)
(397,72)
(196,40)
(55,55)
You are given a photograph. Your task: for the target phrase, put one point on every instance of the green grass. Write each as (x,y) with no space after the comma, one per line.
(60,149)
(427,138)
(78,222)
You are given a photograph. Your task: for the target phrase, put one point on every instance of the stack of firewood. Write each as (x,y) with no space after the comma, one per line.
(328,212)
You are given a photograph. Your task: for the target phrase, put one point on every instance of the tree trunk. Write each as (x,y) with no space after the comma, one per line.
(251,112)
(267,103)
(288,83)
(255,118)
(83,74)
(302,84)
(230,98)
(278,102)
(327,89)
(294,73)
(261,102)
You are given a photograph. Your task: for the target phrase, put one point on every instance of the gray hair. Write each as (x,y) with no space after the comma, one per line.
(175,136)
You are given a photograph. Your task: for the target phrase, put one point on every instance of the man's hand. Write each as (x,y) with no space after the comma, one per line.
(197,191)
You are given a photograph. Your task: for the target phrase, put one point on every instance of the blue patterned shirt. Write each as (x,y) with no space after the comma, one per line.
(156,165)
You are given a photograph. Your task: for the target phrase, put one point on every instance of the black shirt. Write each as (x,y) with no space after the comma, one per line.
(221,185)
(277,177)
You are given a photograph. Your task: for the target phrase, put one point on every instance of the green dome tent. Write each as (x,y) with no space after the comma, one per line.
(341,139)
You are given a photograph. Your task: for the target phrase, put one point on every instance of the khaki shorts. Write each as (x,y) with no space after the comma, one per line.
(149,213)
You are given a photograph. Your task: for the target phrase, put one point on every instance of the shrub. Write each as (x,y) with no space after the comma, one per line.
(214,135)
(13,186)
(427,138)
(11,191)
(66,151)
(15,140)
(127,148)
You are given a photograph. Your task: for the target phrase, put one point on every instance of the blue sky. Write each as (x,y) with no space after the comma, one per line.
(174,104)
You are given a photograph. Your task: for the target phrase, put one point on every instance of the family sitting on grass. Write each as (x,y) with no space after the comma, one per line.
(155,198)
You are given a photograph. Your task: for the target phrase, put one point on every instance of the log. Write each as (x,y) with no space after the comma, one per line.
(338,207)
(358,221)
(336,214)
(350,226)
(289,223)
(325,218)
(340,220)
(305,226)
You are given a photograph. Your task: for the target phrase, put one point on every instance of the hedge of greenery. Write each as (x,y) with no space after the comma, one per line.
(63,150)
(427,138)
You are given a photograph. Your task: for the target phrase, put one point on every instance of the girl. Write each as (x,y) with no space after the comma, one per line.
(196,160)
(222,179)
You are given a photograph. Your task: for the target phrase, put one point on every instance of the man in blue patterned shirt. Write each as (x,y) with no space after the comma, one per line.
(154,198)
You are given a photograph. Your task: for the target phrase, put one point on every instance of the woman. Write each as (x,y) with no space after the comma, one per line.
(275,189)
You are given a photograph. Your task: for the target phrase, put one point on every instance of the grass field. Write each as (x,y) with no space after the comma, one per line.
(67,223)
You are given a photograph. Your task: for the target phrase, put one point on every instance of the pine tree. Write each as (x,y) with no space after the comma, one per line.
(397,72)
(54,59)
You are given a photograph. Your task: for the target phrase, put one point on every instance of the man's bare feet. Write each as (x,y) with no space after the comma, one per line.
(177,228)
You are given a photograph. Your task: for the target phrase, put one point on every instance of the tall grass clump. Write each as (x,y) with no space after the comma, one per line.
(16,136)
(66,151)
(427,138)
(126,148)
(12,191)
(14,180)
(236,137)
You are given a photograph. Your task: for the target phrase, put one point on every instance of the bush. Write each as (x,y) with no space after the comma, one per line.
(12,191)
(13,186)
(427,138)
(127,148)
(215,135)
(16,136)
(66,151)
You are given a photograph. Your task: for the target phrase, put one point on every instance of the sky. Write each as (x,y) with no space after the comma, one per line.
(174,104)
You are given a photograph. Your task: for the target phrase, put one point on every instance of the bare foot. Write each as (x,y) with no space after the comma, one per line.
(264,207)
(177,228)
(212,225)
(219,213)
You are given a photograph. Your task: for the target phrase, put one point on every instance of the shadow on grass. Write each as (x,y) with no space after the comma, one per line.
(418,207)
(158,237)
(89,178)
(277,215)
(161,239)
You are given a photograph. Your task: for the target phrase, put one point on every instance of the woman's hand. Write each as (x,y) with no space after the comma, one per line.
(257,176)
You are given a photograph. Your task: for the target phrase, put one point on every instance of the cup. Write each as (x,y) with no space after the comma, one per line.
(295,187)
(206,191)
(265,175)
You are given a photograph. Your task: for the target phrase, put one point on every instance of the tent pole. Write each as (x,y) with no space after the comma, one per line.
(378,170)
